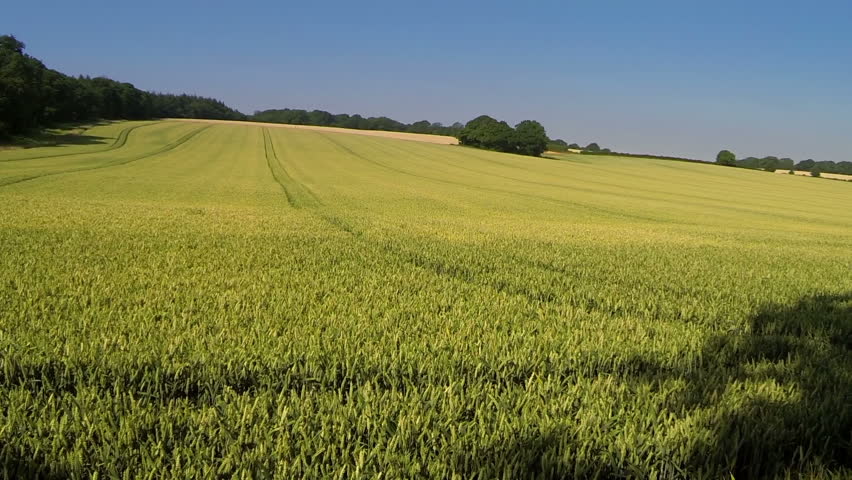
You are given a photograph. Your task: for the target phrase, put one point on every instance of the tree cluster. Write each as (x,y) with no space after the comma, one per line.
(825,166)
(325,119)
(33,96)
(560,145)
(770,164)
(527,138)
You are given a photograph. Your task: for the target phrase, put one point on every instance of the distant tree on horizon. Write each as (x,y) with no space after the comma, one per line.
(530,138)
(423,126)
(527,138)
(593,147)
(322,118)
(726,157)
(806,165)
(770,164)
(489,133)
(786,163)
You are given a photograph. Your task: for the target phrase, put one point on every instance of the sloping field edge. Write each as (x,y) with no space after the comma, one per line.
(415,137)
(553,201)
(180,141)
(119,142)
(299,196)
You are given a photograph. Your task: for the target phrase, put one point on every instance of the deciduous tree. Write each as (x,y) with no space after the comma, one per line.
(530,138)
(726,157)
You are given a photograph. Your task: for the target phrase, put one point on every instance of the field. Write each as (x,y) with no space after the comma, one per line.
(187,300)
(833,176)
(417,137)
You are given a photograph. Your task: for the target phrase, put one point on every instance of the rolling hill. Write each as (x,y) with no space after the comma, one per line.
(241,300)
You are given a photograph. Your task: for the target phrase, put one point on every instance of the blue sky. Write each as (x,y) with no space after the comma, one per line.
(669,77)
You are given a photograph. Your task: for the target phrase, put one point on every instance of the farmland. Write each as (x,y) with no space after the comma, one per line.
(236,301)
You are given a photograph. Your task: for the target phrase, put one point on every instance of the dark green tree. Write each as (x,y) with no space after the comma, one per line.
(726,157)
(530,138)
(770,164)
(343,120)
(805,165)
(21,104)
(593,147)
(356,121)
(320,117)
(748,162)
(786,163)
(486,132)
(423,126)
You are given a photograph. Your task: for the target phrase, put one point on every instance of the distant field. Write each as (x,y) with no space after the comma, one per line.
(833,176)
(240,301)
(418,137)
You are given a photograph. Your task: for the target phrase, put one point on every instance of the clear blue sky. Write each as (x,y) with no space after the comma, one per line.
(673,77)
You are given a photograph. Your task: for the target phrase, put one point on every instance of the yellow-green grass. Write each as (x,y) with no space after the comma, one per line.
(236,301)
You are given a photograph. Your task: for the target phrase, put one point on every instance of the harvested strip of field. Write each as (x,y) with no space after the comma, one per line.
(243,301)
(833,176)
(415,137)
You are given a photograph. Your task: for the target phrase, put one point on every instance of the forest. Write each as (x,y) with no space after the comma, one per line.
(33,96)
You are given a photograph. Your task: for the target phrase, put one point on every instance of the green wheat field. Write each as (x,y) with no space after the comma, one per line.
(190,300)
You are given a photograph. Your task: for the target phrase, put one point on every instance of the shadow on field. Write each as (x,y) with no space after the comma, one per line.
(58,137)
(14,466)
(803,350)
(64,139)
(774,398)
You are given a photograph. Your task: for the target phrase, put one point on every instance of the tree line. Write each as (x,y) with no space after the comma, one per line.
(560,145)
(770,164)
(33,96)
(294,116)
(527,138)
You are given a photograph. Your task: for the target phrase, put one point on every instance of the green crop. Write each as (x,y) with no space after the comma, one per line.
(193,301)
